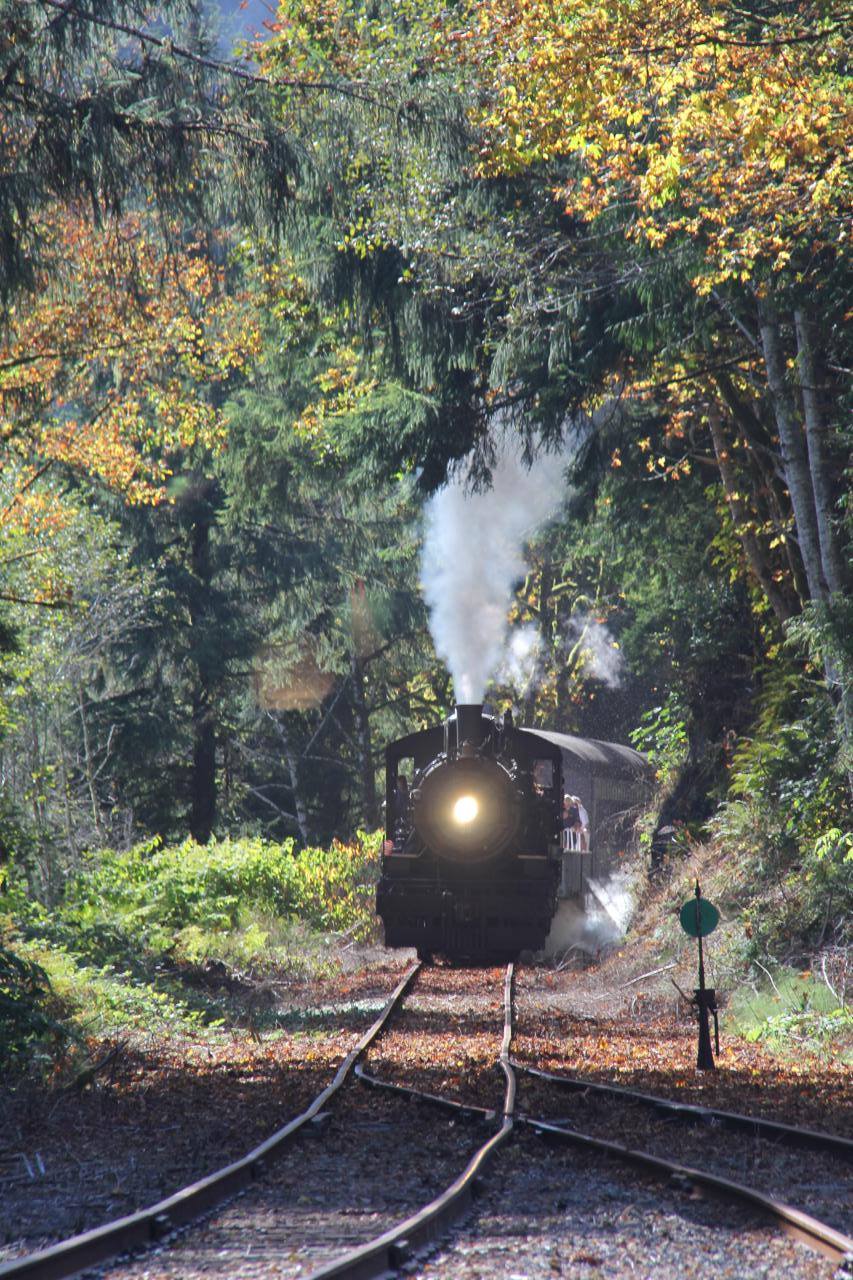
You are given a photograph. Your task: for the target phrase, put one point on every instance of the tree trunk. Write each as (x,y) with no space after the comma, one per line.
(810,489)
(820,466)
(295,786)
(65,777)
(741,522)
(203,777)
(793,454)
(203,781)
(819,462)
(545,616)
(365,752)
(769,464)
(88,765)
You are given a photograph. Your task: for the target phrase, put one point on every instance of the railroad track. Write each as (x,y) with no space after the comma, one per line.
(160,1224)
(152,1224)
(388,1252)
(689,1113)
(819,1236)
(391,1248)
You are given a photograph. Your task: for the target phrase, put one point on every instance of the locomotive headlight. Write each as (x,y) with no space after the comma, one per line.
(465,810)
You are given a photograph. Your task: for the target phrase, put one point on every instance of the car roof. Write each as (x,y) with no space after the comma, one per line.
(608,757)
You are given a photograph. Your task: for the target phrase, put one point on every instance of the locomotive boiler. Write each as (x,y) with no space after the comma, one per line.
(474,858)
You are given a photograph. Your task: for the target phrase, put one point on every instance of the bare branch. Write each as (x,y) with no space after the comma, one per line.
(70,8)
(42,604)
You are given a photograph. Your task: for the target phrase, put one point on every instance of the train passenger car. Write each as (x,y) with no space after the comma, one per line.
(614,783)
(473,860)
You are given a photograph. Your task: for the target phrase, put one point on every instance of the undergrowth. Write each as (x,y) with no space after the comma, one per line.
(179,938)
(795,1011)
(777,859)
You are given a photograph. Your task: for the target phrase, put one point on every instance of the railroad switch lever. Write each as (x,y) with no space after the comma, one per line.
(699,917)
(705,1001)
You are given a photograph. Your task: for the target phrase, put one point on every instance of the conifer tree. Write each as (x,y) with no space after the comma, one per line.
(104,106)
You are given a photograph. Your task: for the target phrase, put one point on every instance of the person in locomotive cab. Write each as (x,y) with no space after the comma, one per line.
(401,809)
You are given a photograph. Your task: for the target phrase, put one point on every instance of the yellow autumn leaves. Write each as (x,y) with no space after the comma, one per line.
(706,120)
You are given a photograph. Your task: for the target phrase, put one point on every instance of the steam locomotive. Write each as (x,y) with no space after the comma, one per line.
(474,858)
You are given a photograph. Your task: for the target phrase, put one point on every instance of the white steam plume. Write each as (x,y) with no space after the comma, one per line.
(474,555)
(519,665)
(602,656)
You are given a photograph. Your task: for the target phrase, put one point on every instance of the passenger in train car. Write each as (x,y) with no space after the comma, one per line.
(583,824)
(569,822)
(576,820)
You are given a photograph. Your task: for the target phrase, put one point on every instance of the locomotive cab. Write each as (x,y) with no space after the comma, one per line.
(471,858)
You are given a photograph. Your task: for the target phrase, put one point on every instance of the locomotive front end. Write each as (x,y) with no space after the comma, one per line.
(467,809)
(469,867)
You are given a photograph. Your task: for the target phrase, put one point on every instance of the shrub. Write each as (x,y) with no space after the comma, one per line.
(26,1022)
(106,1000)
(181,896)
(112,954)
(798,1012)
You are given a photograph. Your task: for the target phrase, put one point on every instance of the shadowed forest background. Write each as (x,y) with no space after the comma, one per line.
(259,301)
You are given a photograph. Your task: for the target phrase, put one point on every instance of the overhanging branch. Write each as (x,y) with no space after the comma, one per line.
(71,10)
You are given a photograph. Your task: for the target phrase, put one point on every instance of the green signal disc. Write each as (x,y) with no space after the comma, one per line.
(709,917)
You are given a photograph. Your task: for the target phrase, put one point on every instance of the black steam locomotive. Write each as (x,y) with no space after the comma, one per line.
(474,858)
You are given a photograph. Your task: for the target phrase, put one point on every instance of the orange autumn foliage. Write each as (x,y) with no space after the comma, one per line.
(117,363)
(111,367)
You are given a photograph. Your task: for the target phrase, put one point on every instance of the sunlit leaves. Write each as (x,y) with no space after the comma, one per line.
(120,363)
(112,367)
(727,126)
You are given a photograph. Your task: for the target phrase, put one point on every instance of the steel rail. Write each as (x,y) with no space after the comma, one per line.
(690,1113)
(390,1251)
(825,1239)
(817,1235)
(89,1249)
(464,1110)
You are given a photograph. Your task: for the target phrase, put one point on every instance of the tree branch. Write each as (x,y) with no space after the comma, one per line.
(212,64)
(42,604)
(29,484)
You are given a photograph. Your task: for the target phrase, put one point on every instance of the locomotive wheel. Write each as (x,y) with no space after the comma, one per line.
(424,955)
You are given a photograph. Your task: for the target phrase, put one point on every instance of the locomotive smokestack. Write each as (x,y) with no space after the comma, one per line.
(469,724)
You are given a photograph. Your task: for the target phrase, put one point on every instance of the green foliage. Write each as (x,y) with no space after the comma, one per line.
(786,825)
(662,736)
(796,1012)
(49,750)
(17,839)
(834,846)
(824,631)
(27,1009)
(106,999)
(134,932)
(193,899)
(94,117)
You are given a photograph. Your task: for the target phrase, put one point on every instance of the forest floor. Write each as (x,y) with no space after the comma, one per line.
(156,1111)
